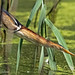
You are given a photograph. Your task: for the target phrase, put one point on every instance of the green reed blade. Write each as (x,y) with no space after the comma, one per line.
(41,59)
(34,10)
(41,26)
(52,62)
(61,41)
(42,16)
(19,54)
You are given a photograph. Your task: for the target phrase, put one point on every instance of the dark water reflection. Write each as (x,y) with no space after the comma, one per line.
(27,62)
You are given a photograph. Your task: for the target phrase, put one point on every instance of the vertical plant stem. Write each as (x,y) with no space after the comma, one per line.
(2,3)
(8,4)
(18,54)
(41,59)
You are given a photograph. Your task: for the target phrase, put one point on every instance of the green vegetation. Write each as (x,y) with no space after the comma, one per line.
(64,21)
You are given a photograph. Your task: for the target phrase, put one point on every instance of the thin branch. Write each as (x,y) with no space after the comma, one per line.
(54,6)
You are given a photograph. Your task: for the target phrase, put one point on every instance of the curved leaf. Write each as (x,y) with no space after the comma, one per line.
(42,16)
(19,54)
(52,62)
(41,59)
(61,41)
(33,12)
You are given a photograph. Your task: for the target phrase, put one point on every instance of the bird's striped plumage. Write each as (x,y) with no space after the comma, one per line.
(13,24)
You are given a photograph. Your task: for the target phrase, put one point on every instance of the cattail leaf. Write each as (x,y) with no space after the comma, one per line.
(34,10)
(61,41)
(42,16)
(41,26)
(52,62)
(41,59)
(18,54)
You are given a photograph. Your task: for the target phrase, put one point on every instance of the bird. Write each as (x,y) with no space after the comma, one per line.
(11,23)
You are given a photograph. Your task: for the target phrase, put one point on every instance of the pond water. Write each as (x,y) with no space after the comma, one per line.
(28,66)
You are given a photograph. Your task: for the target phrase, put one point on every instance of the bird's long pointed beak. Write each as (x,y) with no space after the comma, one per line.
(12,23)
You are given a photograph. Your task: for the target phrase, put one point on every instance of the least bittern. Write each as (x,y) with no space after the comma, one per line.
(11,23)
